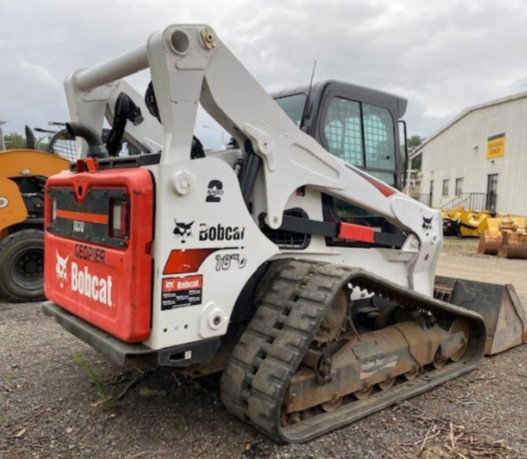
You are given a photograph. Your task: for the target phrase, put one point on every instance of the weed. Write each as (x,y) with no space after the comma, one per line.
(105,399)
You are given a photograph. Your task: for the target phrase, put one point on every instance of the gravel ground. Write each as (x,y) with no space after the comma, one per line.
(50,406)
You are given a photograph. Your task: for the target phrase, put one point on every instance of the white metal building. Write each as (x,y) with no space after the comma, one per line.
(479,159)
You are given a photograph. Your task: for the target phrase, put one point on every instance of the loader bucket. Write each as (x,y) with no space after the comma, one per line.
(514,245)
(504,315)
(473,223)
(489,242)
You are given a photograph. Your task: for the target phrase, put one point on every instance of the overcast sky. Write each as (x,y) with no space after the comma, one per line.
(442,55)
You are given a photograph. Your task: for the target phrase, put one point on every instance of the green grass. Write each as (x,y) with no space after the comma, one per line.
(105,399)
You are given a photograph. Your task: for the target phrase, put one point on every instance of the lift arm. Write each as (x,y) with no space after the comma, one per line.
(189,64)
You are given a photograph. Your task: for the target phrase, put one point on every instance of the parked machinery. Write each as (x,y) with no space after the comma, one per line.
(464,222)
(306,280)
(23,173)
(505,236)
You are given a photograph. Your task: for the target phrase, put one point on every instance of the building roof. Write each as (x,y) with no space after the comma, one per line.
(466,112)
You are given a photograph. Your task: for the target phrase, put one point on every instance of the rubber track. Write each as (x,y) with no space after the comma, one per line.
(272,347)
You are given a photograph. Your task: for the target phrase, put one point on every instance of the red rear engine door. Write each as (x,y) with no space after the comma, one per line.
(99,230)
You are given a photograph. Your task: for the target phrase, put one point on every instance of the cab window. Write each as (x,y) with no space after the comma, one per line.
(342,129)
(362,135)
(378,137)
(293,106)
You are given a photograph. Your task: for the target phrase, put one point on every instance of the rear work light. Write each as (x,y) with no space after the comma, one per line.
(53,206)
(119,219)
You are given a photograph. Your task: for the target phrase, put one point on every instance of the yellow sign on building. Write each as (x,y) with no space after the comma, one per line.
(496,146)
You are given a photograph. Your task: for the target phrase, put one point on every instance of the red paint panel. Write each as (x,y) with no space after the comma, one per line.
(356,232)
(111,290)
(82,216)
(186,260)
(386,190)
(178,284)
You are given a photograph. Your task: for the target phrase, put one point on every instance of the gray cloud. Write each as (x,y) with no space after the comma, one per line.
(443,55)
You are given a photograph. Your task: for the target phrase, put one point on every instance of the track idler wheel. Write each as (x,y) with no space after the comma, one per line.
(334,322)
(439,360)
(411,375)
(333,404)
(460,325)
(363,393)
(386,384)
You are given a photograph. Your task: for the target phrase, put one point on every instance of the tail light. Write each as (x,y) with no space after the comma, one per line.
(51,209)
(119,219)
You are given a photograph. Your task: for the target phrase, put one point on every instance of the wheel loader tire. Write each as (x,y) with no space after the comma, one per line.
(22,265)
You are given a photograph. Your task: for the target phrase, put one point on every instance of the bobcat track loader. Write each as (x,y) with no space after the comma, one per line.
(307,281)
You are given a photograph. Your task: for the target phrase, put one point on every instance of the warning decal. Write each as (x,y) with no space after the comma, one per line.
(179,292)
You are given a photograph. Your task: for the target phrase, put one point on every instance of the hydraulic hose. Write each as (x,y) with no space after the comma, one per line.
(96,148)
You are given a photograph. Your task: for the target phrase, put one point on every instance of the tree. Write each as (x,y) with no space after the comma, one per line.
(14,140)
(414,142)
(417,162)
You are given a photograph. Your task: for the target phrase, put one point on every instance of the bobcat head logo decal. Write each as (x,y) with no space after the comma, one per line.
(183,230)
(427,223)
(61,267)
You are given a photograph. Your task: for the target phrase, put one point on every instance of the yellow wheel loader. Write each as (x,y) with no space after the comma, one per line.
(23,173)
(292,263)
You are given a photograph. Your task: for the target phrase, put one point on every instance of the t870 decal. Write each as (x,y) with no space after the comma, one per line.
(225,262)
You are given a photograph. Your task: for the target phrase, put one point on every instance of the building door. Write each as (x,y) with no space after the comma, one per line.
(492,192)
(459,187)
(431,198)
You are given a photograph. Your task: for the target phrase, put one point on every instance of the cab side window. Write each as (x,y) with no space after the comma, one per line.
(378,136)
(362,135)
(342,129)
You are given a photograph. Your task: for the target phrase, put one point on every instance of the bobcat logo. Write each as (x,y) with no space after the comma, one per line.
(427,223)
(60,268)
(183,230)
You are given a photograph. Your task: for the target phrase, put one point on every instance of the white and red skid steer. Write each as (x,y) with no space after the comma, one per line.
(308,281)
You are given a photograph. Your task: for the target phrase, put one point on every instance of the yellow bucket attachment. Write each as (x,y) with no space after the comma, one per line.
(513,245)
(505,236)
(504,314)
(464,222)
(490,239)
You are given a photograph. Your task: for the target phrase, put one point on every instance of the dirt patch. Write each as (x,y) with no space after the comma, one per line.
(460,246)
(51,407)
